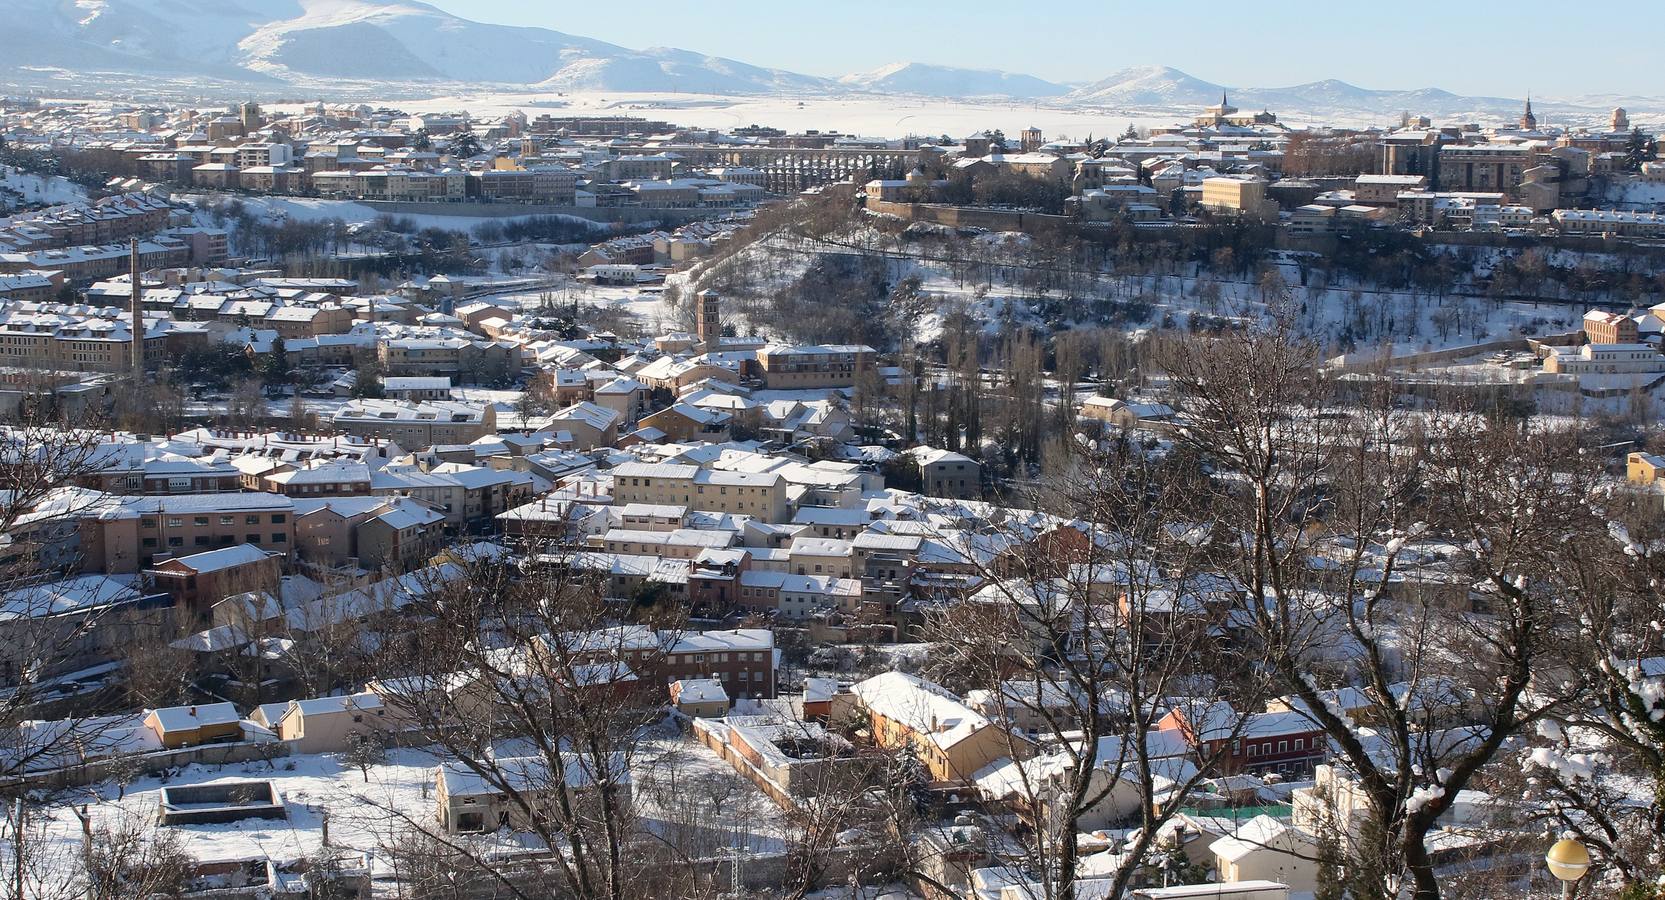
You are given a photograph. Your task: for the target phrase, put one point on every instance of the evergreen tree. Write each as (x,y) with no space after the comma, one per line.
(1640,148)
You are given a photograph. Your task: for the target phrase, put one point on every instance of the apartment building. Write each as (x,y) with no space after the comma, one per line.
(465,359)
(417,425)
(741,659)
(802,366)
(1601,222)
(120,535)
(85,264)
(464,494)
(200,580)
(1483,167)
(760,495)
(75,344)
(539,184)
(1384,190)
(1237,196)
(1609,328)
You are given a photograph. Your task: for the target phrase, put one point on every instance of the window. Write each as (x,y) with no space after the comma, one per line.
(278,518)
(176,523)
(199,521)
(1299,742)
(150,542)
(279,537)
(1254,749)
(226,520)
(251,520)
(251,538)
(202,540)
(1283,746)
(176,542)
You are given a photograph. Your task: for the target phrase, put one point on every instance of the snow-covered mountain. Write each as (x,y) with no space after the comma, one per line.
(392,48)
(1161,88)
(1147,87)
(949,81)
(320,41)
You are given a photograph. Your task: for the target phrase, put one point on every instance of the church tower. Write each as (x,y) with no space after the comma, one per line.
(708,321)
(1528,121)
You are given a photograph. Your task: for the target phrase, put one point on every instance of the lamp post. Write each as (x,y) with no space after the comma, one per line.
(1568,860)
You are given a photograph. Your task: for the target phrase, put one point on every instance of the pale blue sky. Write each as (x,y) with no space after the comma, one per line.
(1467,46)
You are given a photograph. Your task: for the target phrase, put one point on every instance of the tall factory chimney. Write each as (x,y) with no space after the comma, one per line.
(138,317)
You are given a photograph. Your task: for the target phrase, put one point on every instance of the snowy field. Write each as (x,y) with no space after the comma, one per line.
(871,115)
(16,185)
(309,209)
(371,812)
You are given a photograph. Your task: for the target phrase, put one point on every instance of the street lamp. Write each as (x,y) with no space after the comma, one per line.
(1568,860)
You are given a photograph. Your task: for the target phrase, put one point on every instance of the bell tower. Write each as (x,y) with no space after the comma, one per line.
(708,321)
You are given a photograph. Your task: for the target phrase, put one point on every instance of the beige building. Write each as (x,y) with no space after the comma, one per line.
(666,484)
(326,724)
(417,424)
(951,740)
(1606,359)
(944,473)
(1264,849)
(1384,190)
(790,367)
(466,803)
(1609,328)
(1483,167)
(1238,196)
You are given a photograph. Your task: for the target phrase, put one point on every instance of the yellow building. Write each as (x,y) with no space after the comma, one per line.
(951,740)
(762,495)
(1237,196)
(1644,468)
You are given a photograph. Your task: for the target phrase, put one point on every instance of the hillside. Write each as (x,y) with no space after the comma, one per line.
(950,81)
(311,42)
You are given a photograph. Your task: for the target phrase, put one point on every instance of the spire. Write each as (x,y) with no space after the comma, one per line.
(1223,97)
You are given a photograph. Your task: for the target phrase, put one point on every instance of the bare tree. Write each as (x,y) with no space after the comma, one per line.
(1322,504)
(365,748)
(1097,625)
(537,658)
(134,858)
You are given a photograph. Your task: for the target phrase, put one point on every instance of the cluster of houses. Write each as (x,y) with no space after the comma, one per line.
(1228,163)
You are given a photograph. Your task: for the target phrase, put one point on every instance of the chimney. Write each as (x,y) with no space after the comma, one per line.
(138,319)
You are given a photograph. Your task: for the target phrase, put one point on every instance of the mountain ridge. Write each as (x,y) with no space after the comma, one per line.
(397,46)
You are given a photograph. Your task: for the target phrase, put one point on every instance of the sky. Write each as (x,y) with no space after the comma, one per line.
(1477,47)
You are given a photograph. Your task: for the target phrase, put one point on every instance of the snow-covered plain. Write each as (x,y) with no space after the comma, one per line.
(369,813)
(310,209)
(17,185)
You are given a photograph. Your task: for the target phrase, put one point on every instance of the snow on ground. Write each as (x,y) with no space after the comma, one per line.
(1637,194)
(645,307)
(878,115)
(37,189)
(309,209)
(367,812)
(1334,313)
